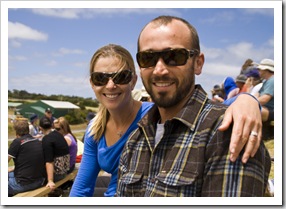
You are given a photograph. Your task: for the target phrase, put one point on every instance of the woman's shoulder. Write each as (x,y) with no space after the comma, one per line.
(147,105)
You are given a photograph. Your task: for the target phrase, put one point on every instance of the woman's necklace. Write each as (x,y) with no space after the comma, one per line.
(120,132)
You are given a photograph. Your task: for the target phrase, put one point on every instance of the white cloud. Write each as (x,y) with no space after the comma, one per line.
(62,13)
(64,51)
(18,58)
(266,11)
(220,17)
(18,30)
(15,44)
(51,63)
(89,13)
(81,64)
(48,83)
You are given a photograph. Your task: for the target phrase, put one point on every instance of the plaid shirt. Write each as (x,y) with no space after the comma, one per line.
(191,158)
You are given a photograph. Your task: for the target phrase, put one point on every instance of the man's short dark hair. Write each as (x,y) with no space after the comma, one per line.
(45,123)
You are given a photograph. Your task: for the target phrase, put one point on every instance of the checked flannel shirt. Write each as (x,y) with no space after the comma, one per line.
(191,159)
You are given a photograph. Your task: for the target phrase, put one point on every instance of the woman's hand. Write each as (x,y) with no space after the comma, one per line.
(245,114)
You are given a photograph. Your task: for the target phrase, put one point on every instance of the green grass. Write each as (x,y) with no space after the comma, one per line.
(270,147)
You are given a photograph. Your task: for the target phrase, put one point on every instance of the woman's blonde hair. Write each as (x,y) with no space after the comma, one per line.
(125,61)
(65,126)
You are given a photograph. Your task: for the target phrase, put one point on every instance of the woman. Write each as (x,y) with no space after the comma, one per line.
(112,78)
(62,126)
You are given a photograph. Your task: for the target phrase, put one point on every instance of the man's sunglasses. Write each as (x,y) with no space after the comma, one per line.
(171,57)
(121,77)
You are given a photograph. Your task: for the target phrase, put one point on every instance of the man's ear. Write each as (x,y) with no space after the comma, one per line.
(199,63)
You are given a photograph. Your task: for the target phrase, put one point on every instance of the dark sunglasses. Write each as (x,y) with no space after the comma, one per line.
(171,57)
(121,77)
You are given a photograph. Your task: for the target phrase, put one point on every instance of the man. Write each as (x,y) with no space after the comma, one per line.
(266,97)
(49,114)
(177,149)
(266,93)
(56,152)
(29,170)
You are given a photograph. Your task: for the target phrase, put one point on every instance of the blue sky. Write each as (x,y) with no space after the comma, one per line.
(49,49)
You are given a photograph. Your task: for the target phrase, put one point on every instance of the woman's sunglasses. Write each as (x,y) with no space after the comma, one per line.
(171,57)
(121,77)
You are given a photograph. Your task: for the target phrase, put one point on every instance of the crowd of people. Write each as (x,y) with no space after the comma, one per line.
(175,143)
(44,152)
(257,79)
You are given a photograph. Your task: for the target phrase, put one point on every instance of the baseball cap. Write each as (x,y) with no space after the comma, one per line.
(241,78)
(253,73)
(48,110)
(266,64)
(33,118)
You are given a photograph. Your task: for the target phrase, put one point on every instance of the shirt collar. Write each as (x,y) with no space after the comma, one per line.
(188,115)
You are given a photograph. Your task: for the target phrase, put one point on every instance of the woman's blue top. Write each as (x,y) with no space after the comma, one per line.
(98,156)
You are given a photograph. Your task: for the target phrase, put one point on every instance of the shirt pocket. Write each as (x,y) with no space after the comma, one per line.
(177,181)
(132,182)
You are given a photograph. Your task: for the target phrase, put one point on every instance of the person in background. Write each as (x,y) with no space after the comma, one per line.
(89,117)
(230,88)
(34,129)
(247,66)
(56,152)
(141,95)
(217,94)
(266,93)
(253,83)
(29,166)
(240,82)
(177,150)
(49,114)
(63,127)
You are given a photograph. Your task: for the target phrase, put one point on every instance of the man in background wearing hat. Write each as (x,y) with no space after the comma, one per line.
(240,81)
(34,129)
(266,93)
(253,83)
(49,114)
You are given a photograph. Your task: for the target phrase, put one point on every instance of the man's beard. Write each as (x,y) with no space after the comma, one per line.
(164,99)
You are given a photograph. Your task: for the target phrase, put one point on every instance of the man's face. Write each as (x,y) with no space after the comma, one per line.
(168,85)
(262,73)
(48,114)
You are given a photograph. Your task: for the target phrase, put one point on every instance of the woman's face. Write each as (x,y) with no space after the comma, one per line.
(112,96)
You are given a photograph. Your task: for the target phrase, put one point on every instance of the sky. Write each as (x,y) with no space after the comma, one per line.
(49,49)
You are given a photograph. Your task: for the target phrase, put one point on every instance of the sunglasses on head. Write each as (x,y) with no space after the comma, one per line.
(171,57)
(121,77)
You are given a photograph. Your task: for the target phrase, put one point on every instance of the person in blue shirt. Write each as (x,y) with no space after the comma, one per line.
(112,78)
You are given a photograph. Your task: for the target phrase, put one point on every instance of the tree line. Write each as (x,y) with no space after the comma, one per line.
(79,101)
(77,116)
